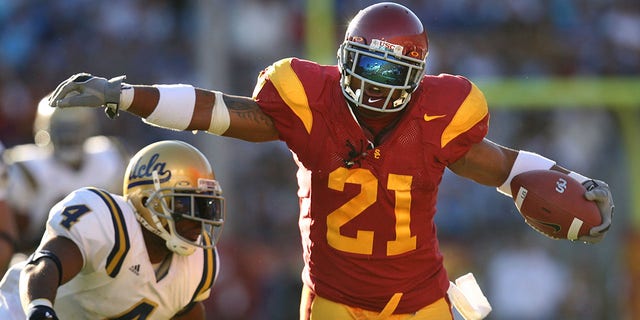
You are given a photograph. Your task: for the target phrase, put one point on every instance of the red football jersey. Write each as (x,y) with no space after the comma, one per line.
(366,211)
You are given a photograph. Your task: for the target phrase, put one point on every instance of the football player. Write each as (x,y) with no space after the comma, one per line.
(8,229)
(66,154)
(372,137)
(148,254)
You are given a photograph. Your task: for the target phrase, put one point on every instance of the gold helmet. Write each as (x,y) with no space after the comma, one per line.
(169,183)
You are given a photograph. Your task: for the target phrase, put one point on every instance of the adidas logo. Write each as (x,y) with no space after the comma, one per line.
(135,269)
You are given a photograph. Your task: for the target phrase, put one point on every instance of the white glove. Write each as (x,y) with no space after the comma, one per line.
(467,297)
(599,192)
(85,90)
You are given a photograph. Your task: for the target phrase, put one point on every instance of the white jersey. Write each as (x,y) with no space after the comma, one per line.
(117,280)
(37,180)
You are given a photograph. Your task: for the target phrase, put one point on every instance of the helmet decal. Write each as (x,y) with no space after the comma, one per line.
(381,45)
(145,171)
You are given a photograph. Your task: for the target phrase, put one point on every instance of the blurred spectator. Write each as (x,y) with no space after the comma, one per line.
(525,282)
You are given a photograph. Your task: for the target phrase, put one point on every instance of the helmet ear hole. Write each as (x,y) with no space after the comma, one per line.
(144,201)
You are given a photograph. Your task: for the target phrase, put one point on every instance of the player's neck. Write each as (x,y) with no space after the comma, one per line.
(156,247)
(376,124)
(162,268)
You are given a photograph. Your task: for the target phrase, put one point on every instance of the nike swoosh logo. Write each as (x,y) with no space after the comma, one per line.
(429,118)
(554,226)
(373,100)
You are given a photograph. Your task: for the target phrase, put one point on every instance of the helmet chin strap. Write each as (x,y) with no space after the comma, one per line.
(174,243)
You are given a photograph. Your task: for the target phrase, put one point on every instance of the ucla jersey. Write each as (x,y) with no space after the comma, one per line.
(116,266)
(37,180)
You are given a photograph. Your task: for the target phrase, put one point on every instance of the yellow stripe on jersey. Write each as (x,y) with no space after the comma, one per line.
(209,270)
(120,235)
(473,109)
(291,90)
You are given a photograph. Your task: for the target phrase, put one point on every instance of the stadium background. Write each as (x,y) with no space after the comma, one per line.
(561,78)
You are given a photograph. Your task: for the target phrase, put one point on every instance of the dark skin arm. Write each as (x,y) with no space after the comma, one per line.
(486,162)
(41,279)
(247,121)
(489,163)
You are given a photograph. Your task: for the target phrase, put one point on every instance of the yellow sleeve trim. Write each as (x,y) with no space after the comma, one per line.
(121,246)
(291,90)
(209,269)
(473,109)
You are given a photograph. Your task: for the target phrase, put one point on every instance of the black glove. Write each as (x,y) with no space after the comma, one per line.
(41,312)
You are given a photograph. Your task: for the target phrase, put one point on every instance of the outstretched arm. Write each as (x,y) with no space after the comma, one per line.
(245,119)
(494,165)
(177,107)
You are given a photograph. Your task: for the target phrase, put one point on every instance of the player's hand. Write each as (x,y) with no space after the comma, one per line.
(599,192)
(41,312)
(86,90)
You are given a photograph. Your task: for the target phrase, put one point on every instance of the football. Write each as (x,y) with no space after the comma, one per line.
(553,203)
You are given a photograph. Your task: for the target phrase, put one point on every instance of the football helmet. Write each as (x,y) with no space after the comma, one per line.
(65,130)
(171,183)
(385,47)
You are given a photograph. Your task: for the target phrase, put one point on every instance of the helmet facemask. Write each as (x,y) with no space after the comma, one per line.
(382,65)
(203,205)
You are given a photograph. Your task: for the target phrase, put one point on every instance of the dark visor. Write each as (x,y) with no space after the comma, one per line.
(204,207)
(381,71)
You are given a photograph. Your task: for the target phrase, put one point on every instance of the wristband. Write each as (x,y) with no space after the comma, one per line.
(40,309)
(578,177)
(219,116)
(40,302)
(526,161)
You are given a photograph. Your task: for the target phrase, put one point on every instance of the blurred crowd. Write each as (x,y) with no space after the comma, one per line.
(525,275)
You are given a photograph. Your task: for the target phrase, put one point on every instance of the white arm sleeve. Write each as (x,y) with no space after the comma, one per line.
(526,161)
(175,107)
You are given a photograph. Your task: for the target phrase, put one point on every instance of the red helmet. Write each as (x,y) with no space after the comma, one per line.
(385,47)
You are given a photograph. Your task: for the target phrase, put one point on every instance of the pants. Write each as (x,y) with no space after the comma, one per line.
(313,307)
